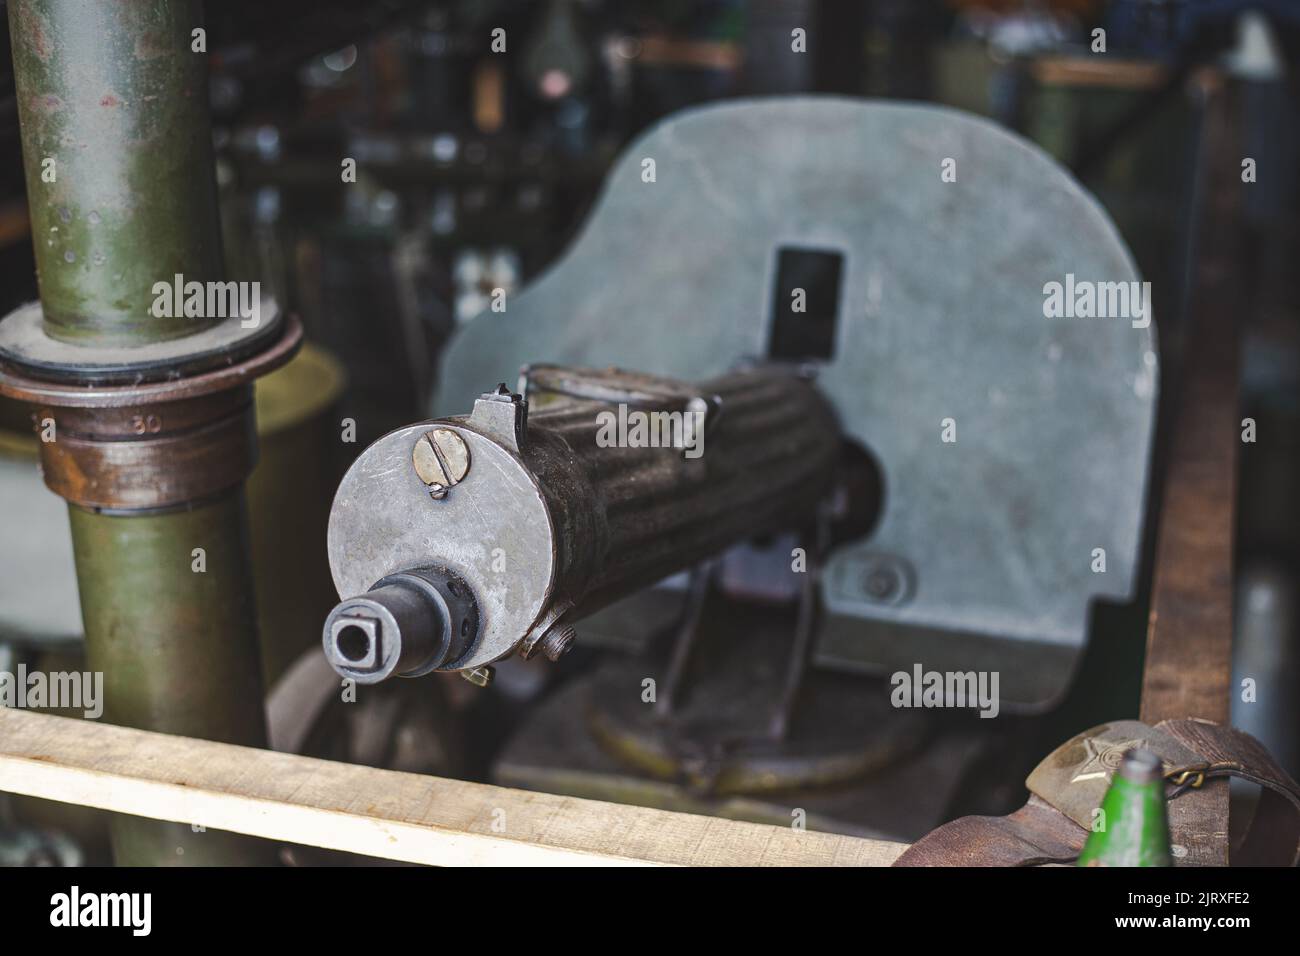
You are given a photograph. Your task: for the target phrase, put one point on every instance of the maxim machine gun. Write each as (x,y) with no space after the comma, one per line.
(853,425)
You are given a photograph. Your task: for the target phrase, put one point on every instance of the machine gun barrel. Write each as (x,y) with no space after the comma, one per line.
(460,541)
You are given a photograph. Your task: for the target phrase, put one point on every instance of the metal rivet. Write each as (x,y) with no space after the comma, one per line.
(881,583)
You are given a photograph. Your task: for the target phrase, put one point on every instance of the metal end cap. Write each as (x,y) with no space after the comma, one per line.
(1140,765)
(408,624)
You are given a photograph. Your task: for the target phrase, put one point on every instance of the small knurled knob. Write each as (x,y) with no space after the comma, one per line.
(557,641)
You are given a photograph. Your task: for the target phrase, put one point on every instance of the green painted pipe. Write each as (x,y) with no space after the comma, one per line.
(171,623)
(117,147)
(112,101)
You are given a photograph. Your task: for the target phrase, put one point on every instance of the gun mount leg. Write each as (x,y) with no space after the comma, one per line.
(151,414)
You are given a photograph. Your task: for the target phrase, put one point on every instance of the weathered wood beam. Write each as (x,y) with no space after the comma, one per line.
(380,813)
(1188,665)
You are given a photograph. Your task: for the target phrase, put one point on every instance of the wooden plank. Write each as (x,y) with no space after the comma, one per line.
(381,813)
(1188,667)
(1189,638)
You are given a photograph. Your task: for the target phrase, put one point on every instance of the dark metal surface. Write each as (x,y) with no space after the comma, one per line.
(408,624)
(815,543)
(547,525)
(554,751)
(718,738)
(940,315)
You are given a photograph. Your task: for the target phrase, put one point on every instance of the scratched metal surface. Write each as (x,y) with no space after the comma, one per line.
(383,521)
(941,316)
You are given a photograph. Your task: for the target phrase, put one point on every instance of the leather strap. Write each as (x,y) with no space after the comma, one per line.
(1065,788)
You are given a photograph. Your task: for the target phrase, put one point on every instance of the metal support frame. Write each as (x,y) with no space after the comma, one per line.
(151,413)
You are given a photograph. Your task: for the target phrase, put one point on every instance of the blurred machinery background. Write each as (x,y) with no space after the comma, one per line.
(475,171)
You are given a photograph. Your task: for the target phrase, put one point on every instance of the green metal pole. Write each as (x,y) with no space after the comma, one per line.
(173,631)
(117,147)
(114,95)
(167,600)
